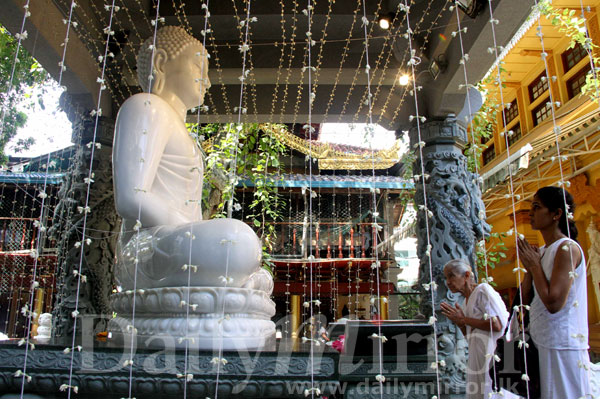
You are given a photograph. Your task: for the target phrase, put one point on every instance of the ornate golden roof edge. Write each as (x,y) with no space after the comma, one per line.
(328,157)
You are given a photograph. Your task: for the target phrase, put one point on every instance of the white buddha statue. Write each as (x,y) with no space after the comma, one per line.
(158,175)
(44,329)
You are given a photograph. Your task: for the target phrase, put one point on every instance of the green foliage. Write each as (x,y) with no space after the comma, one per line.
(28,73)
(248,151)
(574,27)
(483,124)
(492,249)
(408,306)
(407,161)
(493,254)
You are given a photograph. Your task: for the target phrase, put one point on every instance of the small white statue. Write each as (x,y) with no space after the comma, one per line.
(158,175)
(44,330)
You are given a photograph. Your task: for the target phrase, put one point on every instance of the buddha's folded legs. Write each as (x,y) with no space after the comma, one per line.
(212,253)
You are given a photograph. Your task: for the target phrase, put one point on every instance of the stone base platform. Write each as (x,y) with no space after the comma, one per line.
(218,317)
(291,370)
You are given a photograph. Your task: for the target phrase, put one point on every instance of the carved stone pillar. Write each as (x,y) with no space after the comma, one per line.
(102,227)
(454,226)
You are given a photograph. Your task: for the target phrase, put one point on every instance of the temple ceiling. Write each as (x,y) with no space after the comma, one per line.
(276,89)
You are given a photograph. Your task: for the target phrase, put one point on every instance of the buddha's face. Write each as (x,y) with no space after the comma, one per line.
(186,76)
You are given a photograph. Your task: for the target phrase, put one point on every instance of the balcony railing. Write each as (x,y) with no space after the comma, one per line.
(326,239)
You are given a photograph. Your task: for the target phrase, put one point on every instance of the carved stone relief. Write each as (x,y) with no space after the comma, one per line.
(453,227)
(101,226)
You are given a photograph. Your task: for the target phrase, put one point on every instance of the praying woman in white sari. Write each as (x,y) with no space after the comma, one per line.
(482,321)
(555,285)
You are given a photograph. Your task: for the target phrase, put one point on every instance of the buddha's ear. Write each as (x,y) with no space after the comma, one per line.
(160,60)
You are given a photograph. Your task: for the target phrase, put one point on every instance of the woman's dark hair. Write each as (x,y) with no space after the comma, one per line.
(554,199)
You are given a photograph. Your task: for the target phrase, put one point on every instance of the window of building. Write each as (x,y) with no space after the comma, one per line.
(516,134)
(485,139)
(511,112)
(488,154)
(576,82)
(541,112)
(572,56)
(538,87)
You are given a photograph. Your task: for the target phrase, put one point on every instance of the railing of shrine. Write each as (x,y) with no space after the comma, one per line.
(326,239)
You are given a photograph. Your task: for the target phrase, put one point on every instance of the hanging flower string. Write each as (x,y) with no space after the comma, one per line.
(310,42)
(202,107)
(463,61)
(413,61)
(69,21)
(376,269)
(498,82)
(391,96)
(41,225)
(85,241)
(358,72)
(186,376)
(129,363)
(563,182)
(244,49)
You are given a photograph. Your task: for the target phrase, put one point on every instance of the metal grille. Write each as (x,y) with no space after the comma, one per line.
(9,276)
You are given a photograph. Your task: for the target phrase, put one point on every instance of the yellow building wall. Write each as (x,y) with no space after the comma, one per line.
(585,185)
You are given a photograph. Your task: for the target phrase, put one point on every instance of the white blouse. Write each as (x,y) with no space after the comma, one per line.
(567,328)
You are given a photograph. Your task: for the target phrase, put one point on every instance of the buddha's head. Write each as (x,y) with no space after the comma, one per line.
(174,63)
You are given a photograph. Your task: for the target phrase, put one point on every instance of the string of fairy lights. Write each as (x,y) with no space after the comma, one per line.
(290,58)
(390,97)
(41,225)
(109,82)
(280,63)
(128,49)
(379,337)
(317,67)
(358,71)
(387,51)
(247,78)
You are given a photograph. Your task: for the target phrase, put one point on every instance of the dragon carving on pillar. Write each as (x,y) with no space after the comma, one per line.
(456,223)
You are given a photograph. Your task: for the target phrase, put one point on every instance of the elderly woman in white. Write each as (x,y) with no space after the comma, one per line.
(482,321)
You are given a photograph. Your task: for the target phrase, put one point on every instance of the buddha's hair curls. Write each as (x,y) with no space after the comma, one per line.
(173,40)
